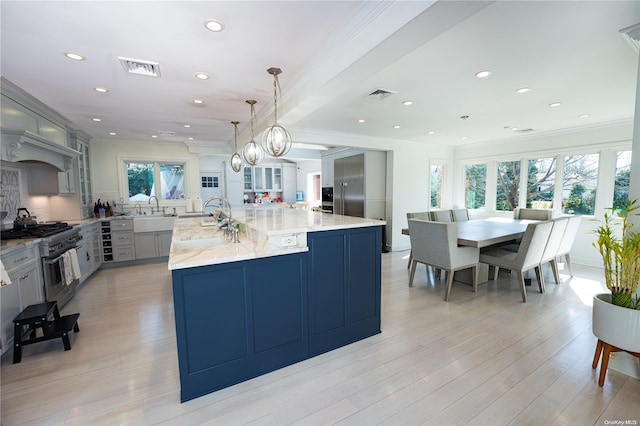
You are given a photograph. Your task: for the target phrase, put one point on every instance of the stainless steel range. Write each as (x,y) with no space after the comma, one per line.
(53,250)
(57,239)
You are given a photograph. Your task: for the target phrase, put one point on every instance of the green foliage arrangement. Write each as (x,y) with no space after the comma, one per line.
(620,253)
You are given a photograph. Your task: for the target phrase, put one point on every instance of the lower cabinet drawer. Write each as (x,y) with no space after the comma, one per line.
(124,253)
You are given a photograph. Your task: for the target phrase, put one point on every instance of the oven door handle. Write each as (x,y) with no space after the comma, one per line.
(51,262)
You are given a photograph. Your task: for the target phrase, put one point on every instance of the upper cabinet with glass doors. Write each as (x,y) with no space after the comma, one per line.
(267,178)
(80,142)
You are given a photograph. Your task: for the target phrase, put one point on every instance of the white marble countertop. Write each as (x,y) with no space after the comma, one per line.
(261,235)
(8,246)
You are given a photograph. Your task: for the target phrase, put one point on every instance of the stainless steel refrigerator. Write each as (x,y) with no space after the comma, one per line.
(348,188)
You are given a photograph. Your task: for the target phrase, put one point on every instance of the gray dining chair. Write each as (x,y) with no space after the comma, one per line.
(416,215)
(460,215)
(442,216)
(553,245)
(532,214)
(569,236)
(436,244)
(526,258)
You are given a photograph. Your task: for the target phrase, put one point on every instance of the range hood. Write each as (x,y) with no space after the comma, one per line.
(22,145)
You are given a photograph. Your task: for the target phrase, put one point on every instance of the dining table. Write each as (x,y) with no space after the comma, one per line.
(482,233)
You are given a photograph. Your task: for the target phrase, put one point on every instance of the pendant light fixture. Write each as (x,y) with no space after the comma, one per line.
(252,153)
(276,140)
(236,160)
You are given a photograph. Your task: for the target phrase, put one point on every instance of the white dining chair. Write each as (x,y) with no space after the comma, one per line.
(436,244)
(441,216)
(569,236)
(553,244)
(532,214)
(416,215)
(527,257)
(460,215)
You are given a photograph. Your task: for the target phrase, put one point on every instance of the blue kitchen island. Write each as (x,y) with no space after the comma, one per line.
(297,285)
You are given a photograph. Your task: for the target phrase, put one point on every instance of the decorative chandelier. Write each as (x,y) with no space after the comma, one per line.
(236,160)
(276,140)
(252,153)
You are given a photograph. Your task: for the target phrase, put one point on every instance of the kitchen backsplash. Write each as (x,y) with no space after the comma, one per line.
(9,192)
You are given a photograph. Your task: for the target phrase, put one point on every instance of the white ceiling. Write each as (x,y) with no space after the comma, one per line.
(333,54)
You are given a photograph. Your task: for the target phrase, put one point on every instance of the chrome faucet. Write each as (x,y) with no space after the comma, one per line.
(138,208)
(157,204)
(222,201)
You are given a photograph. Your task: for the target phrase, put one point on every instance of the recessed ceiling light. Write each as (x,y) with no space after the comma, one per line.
(96,119)
(213,25)
(154,136)
(112,133)
(190,138)
(198,101)
(187,125)
(583,116)
(361,120)
(483,74)
(407,103)
(514,129)
(464,138)
(523,90)
(431,133)
(555,104)
(100,89)
(74,56)
(202,76)
(396,127)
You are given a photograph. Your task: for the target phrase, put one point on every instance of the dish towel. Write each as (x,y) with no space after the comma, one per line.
(75,265)
(4,276)
(67,270)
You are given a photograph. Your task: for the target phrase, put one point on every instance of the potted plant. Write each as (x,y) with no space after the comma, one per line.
(620,251)
(616,316)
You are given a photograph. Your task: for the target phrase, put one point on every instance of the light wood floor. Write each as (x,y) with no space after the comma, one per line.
(484,358)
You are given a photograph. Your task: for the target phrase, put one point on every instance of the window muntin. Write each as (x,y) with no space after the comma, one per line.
(623,173)
(507,184)
(579,184)
(475,186)
(541,180)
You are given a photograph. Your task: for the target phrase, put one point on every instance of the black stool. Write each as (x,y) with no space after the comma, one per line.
(39,316)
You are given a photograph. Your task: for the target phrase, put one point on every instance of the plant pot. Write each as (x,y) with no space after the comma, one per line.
(619,327)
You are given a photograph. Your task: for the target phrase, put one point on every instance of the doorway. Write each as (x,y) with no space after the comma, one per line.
(210,185)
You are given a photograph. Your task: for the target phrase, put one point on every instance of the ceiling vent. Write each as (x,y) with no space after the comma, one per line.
(524,130)
(381,94)
(166,133)
(136,66)
(632,35)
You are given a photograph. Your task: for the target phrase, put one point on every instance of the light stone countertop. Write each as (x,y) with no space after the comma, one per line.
(264,233)
(9,246)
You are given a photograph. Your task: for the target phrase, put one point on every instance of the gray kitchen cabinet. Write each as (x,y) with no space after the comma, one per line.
(150,245)
(89,250)
(26,288)
(117,240)
(45,179)
(10,306)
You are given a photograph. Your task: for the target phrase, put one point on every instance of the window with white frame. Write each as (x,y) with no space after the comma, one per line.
(475,186)
(541,179)
(579,184)
(437,185)
(623,173)
(163,180)
(507,185)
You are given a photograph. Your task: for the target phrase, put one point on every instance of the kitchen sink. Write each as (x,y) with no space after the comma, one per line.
(199,243)
(153,223)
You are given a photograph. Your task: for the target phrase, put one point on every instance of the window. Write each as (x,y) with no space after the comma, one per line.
(475,185)
(437,181)
(508,181)
(623,172)
(210,182)
(541,179)
(142,179)
(579,183)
